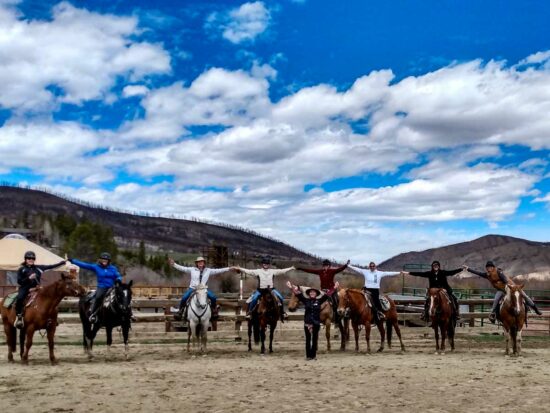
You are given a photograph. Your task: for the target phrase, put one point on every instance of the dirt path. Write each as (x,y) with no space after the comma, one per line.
(164,378)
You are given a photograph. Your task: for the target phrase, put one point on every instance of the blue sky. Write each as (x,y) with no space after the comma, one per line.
(355,129)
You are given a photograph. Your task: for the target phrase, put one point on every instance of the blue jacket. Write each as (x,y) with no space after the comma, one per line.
(106,276)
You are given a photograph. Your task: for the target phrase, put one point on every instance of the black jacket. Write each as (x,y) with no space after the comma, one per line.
(313,308)
(439,279)
(26,271)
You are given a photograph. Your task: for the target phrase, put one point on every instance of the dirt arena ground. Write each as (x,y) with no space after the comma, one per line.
(160,376)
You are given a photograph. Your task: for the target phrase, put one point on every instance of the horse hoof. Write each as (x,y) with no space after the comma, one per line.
(54,362)
(380,350)
(442,353)
(436,353)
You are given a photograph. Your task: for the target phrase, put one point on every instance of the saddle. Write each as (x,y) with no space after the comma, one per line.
(384,302)
(9,301)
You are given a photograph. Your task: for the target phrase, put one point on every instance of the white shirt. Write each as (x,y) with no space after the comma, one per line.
(196,274)
(266,276)
(372,278)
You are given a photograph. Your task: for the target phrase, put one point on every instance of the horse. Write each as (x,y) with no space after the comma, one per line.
(115,311)
(512,316)
(441,316)
(327,316)
(265,314)
(198,317)
(353,304)
(40,313)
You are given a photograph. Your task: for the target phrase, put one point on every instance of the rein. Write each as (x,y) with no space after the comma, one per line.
(194,312)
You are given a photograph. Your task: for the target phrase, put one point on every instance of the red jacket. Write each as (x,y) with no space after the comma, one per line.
(326,276)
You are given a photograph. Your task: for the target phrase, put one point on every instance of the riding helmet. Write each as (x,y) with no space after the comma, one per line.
(30,255)
(266,260)
(105,256)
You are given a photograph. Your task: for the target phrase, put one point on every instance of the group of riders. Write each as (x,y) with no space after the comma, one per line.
(29,275)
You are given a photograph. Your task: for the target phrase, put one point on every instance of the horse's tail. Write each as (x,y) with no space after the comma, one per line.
(256,328)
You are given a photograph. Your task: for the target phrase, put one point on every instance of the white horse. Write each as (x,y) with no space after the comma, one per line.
(198,317)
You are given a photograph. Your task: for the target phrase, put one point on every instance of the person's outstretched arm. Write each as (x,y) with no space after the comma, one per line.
(82,264)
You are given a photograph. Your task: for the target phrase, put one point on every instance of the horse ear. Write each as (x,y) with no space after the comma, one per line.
(117,283)
(64,276)
(130,283)
(521,285)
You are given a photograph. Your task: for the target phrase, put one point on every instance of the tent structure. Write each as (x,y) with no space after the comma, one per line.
(13,248)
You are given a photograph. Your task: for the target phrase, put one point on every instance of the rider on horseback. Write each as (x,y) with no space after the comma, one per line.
(199,275)
(107,274)
(265,280)
(28,276)
(499,280)
(326,275)
(438,279)
(372,285)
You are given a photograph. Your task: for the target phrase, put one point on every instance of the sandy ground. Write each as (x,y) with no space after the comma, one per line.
(161,376)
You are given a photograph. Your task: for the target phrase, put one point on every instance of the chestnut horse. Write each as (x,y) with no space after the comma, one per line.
(512,316)
(265,314)
(353,304)
(326,316)
(41,314)
(441,315)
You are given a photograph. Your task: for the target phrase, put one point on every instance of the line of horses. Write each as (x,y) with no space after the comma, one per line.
(353,308)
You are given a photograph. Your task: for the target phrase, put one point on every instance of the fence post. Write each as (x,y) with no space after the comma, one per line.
(472,309)
(167,322)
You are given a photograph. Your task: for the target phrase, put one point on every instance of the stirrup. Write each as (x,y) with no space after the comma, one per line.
(493,317)
(381,316)
(18,321)
(93,319)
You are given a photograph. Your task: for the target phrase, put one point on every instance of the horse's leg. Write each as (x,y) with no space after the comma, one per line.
(125,334)
(28,344)
(452,334)
(262,338)
(444,328)
(189,333)
(249,335)
(436,330)
(109,333)
(51,333)
(519,339)
(22,334)
(356,332)
(328,322)
(507,335)
(204,337)
(382,331)
(342,330)
(11,339)
(395,324)
(367,335)
(513,334)
(271,331)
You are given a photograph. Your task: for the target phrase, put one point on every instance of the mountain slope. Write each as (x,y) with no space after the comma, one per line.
(166,234)
(515,255)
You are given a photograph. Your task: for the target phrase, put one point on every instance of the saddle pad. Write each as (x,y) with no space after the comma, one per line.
(385,303)
(9,300)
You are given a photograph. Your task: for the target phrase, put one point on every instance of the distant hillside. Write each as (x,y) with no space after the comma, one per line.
(515,255)
(164,234)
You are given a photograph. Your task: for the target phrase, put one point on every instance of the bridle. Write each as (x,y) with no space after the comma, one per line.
(203,307)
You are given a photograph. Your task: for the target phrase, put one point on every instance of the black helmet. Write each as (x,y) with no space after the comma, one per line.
(266,260)
(30,255)
(326,262)
(105,256)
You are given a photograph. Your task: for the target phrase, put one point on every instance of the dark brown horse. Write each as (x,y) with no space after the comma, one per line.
(327,316)
(441,315)
(512,316)
(265,314)
(41,314)
(353,304)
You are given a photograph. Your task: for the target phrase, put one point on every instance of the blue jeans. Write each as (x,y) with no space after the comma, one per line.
(190,291)
(256,295)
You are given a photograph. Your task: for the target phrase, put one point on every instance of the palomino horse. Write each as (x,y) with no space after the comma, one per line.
(353,304)
(198,317)
(441,315)
(512,316)
(40,314)
(265,314)
(326,316)
(115,311)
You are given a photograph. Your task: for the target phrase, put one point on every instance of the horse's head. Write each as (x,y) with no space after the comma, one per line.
(201,296)
(433,294)
(343,302)
(293,303)
(123,294)
(70,287)
(266,301)
(514,294)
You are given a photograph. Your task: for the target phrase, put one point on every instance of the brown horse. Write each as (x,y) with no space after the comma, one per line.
(353,304)
(41,314)
(326,316)
(441,315)
(512,316)
(265,314)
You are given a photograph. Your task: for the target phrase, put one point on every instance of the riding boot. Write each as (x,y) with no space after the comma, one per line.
(18,321)
(536,309)
(493,317)
(282,313)
(381,315)
(132,316)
